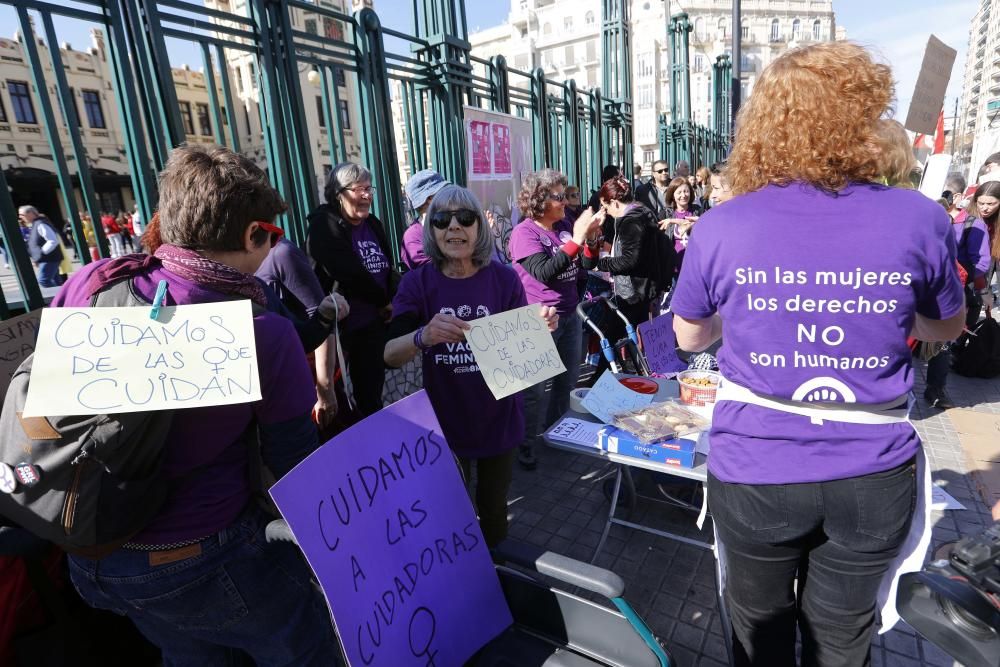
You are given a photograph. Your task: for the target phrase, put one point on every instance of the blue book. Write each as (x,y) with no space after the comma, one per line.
(675,452)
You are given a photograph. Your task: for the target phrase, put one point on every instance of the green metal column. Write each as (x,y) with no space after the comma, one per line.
(572,162)
(499,85)
(442,24)
(30,46)
(680,79)
(378,145)
(722,74)
(213,93)
(616,75)
(19,259)
(540,120)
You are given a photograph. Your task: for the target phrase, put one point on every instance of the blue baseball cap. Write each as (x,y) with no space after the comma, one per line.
(422,186)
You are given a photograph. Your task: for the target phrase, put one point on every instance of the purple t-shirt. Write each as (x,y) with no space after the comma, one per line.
(976,249)
(287,270)
(210,438)
(817,294)
(475,423)
(366,247)
(529,239)
(413,246)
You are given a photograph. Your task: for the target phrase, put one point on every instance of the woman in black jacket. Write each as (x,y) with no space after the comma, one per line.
(641,260)
(350,252)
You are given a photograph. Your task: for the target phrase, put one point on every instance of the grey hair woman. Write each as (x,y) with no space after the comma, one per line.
(431,312)
(452,198)
(351,251)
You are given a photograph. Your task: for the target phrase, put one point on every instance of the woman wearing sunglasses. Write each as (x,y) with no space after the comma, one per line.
(545,249)
(350,251)
(430,312)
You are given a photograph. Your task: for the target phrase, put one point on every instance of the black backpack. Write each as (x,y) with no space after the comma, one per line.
(976,353)
(98,476)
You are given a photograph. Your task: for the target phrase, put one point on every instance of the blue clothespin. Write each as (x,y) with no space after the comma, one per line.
(161,293)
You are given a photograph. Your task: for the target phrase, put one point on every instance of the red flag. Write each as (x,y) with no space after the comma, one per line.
(939,135)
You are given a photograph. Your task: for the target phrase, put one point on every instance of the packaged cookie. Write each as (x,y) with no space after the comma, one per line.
(660,421)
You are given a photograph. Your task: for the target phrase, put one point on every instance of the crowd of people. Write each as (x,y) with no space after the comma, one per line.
(792,485)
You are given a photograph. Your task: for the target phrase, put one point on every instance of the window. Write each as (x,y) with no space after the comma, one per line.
(721,34)
(338,76)
(817,30)
(345,115)
(647,156)
(568,23)
(246,114)
(186,117)
(239,82)
(3,112)
(92,107)
(591,50)
(72,97)
(645,96)
(775,30)
(332,29)
(589,18)
(204,123)
(547,29)
(547,58)
(311,27)
(645,64)
(796,29)
(699,62)
(746,65)
(319,111)
(745,31)
(699,29)
(253,76)
(20,100)
(570,55)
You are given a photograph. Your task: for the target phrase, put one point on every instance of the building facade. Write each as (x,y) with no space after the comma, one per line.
(27,160)
(978,133)
(563,37)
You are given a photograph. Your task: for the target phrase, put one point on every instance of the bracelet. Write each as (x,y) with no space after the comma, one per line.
(418,339)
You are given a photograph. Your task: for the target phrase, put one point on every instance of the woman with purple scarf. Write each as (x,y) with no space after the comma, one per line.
(225,589)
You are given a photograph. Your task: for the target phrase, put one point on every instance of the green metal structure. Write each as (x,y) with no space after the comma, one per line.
(680,137)
(434,76)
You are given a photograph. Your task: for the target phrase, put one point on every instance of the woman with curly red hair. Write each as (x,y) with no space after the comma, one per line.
(816,273)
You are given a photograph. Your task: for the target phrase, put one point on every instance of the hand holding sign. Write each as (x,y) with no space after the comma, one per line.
(514,350)
(99,360)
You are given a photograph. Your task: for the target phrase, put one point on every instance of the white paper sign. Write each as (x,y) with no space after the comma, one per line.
(111,360)
(577,432)
(514,350)
(609,396)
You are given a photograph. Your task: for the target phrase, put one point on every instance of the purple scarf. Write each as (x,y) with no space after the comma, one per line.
(185,263)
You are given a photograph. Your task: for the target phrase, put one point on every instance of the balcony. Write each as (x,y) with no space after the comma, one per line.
(982,40)
(995,87)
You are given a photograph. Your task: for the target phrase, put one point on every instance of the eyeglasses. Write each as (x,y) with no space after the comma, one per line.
(573,195)
(557,196)
(368,191)
(273,231)
(662,171)
(465,217)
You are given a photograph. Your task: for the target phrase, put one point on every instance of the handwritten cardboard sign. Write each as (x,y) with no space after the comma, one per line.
(101,360)
(514,350)
(932,82)
(659,345)
(386,524)
(17,341)
(608,396)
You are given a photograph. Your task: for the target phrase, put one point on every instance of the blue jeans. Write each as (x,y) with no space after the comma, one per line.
(541,411)
(48,274)
(937,369)
(239,597)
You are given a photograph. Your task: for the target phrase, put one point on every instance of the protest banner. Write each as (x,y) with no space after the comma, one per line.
(387,526)
(17,341)
(932,83)
(659,345)
(514,350)
(100,360)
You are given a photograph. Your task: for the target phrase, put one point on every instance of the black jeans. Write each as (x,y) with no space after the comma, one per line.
(837,538)
(363,349)
(493,475)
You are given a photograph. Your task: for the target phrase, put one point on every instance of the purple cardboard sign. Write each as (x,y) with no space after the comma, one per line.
(386,524)
(660,345)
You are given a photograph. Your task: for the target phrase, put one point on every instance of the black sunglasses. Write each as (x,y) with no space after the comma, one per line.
(662,171)
(465,217)
(557,196)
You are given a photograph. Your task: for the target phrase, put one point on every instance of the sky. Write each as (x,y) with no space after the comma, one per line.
(897,30)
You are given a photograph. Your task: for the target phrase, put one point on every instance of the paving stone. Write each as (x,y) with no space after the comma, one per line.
(688,636)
